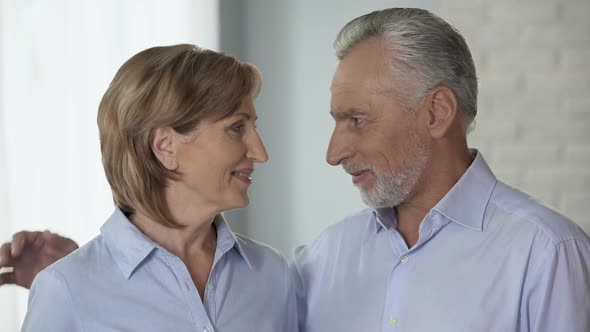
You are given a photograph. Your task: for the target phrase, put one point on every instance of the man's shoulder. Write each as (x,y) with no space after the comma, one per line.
(523,210)
(349,231)
(350,227)
(262,256)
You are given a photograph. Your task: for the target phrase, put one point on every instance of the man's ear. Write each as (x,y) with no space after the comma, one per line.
(163,144)
(442,108)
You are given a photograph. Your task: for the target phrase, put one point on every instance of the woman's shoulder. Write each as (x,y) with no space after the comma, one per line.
(259,255)
(90,259)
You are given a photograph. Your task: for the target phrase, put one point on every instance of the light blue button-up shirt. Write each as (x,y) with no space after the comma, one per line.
(488,258)
(123,281)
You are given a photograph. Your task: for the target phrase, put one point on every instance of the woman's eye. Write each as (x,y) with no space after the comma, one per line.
(237,128)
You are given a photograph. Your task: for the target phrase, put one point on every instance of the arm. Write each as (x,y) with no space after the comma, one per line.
(30,252)
(558,298)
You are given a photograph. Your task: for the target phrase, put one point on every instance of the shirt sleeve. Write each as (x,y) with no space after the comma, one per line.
(558,298)
(50,306)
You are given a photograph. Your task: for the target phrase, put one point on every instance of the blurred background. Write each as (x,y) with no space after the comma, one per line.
(57,58)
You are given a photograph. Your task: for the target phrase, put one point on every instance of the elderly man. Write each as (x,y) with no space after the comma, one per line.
(444,246)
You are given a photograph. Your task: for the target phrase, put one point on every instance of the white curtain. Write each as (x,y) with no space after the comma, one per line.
(56,60)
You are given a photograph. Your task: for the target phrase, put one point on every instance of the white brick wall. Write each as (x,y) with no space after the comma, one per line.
(533,126)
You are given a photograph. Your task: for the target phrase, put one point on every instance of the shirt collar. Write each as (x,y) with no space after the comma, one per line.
(385,218)
(464,204)
(130,247)
(226,240)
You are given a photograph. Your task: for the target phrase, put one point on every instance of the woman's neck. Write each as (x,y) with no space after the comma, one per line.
(196,237)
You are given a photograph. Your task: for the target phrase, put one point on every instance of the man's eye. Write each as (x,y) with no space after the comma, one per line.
(358,121)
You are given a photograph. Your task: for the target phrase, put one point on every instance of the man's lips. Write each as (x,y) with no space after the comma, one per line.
(359,176)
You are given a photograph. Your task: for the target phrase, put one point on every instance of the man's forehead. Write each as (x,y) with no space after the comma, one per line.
(369,86)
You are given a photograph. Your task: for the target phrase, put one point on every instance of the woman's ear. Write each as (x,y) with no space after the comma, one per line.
(163,144)
(442,111)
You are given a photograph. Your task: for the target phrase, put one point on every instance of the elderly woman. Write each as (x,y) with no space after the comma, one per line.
(179,144)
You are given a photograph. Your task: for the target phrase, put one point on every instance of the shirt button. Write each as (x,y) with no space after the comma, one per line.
(207,330)
(393,321)
(404,259)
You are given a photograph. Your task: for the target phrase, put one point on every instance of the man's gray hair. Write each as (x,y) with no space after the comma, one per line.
(426,52)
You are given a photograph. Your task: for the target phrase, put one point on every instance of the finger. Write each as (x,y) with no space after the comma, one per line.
(59,242)
(60,247)
(47,235)
(7,278)
(40,239)
(51,239)
(5,256)
(21,239)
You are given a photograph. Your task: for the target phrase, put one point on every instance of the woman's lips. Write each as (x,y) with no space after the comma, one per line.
(244,175)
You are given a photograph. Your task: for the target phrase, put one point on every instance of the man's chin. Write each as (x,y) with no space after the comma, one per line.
(368,199)
(366,186)
(366,194)
(371,200)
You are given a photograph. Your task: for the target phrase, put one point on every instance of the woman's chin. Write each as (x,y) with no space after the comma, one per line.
(239,202)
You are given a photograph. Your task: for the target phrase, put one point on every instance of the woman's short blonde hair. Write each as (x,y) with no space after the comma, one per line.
(176,86)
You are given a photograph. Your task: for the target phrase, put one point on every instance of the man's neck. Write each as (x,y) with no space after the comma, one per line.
(442,173)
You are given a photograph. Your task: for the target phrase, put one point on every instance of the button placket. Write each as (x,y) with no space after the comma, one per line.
(393,320)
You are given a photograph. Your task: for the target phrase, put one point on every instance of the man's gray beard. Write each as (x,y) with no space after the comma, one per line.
(391,189)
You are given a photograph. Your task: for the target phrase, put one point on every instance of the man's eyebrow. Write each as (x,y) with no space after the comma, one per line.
(351,112)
